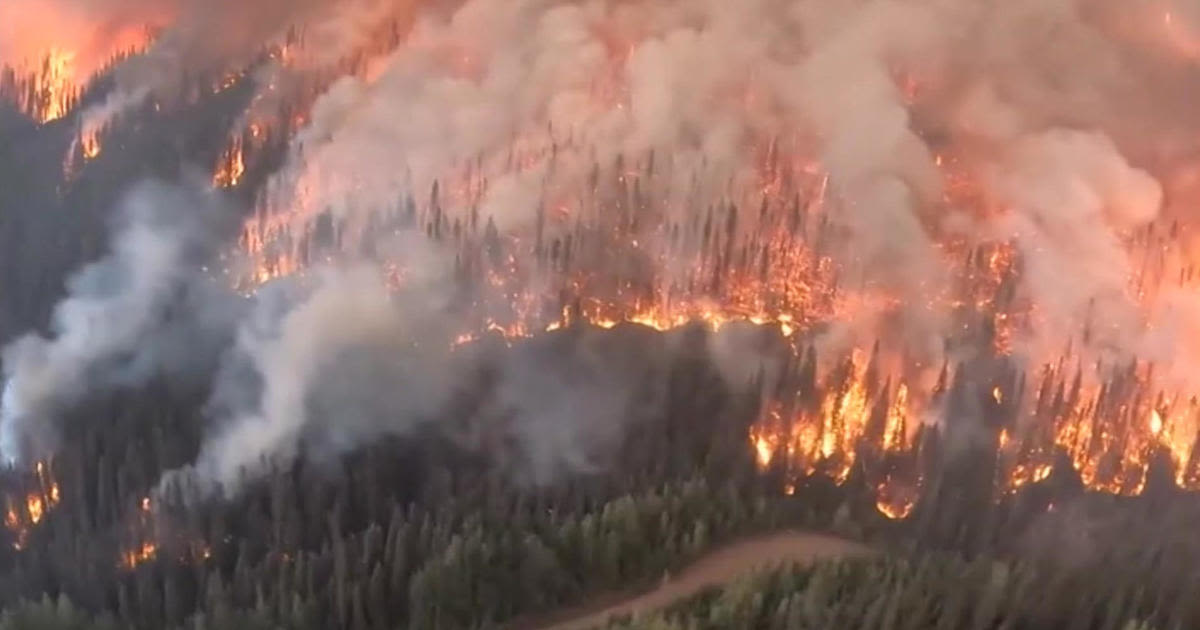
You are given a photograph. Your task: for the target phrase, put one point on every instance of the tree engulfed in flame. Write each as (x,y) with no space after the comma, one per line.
(35,508)
(230,167)
(51,51)
(820,427)
(894,500)
(764,449)
(778,267)
(55,88)
(23,514)
(12,521)
(133,558)
(89,143)
(1110,448)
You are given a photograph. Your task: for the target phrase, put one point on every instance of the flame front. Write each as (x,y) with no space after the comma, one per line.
(616,233)
(775,267)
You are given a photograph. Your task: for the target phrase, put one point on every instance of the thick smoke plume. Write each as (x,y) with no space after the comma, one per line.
(1059,127)
(316,365)
(503,71)
(338,358)
(1064,116)
(145,309)
(336,347)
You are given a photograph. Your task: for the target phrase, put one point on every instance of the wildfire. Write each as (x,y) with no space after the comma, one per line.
(894,500)
(777,272)
(766,247)
(89,143)
(230,167)
(133,558)
(54,86)
(23,514)
(35,508)
(774,267)
(763,448)
(50,89)
(1025,474)
(12,521)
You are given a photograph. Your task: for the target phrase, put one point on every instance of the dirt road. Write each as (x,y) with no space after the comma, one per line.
(720,567)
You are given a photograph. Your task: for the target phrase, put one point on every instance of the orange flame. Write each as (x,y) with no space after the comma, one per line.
(231,166)
(771,266)
(51,52)
(133,558)
(90,143)
(35,508)
(55,86)
(894,501)
(22,515)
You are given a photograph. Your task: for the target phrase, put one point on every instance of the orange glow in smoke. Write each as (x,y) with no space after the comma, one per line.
(52,49)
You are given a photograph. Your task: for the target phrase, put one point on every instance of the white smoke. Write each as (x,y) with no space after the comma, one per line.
(345,322)
(338,358)
(1073,196)
(129,315)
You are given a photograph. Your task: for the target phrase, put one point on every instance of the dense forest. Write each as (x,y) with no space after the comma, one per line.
(926,591)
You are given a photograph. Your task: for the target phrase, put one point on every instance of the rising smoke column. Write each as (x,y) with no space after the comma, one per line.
(146,308)
(338,358)
(332,359)
(1073,194)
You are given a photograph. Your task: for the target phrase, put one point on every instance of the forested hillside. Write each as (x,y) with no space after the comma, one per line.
(467,314)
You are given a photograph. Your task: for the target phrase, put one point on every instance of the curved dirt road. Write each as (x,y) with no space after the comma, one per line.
(720,567)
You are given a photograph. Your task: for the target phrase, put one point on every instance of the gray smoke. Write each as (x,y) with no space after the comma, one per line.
(337,358)
(1097,85)
(146,308)
(336,347)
